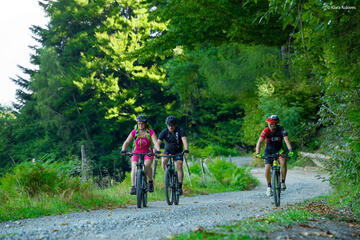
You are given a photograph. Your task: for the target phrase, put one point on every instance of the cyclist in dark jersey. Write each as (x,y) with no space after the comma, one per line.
(274,135)
(174,138)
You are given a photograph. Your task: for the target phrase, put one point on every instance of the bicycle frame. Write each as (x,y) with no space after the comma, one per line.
(140,179)
(171,180)
(275,177)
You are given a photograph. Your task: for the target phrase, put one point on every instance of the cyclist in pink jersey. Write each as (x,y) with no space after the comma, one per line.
(142,135)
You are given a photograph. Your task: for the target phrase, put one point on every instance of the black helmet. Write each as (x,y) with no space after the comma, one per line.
(141,118)
(171,120)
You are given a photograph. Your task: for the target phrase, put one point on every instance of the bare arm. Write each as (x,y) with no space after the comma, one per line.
(156,142)
(258,145)
(287,141)
(127,142)
(185,142)
(159,142)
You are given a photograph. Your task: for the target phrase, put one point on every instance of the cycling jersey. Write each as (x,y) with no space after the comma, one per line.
(142,145)
(173,142)
(273,140)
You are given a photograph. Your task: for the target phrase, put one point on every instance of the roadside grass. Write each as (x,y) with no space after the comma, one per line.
(46,188)
(252,228)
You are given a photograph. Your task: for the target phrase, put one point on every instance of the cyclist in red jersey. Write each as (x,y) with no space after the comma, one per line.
(274,135)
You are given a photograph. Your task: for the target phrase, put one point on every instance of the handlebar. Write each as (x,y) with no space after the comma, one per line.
(150,154)
(169,155)
(275,155)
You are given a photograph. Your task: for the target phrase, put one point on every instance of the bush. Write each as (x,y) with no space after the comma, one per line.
(231,176)
(40,177)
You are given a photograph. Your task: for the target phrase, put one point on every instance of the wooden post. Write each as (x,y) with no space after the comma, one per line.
(83,164)
(187,170)
(207,169)
(221,158)
(230,158)
(202,168)
(193,159)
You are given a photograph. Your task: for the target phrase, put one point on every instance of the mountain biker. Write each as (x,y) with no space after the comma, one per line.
(274,135)
(174,138)
(142,136)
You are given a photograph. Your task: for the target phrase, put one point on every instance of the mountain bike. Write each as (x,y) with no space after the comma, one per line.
(275,176)
(172,191)
(141,183)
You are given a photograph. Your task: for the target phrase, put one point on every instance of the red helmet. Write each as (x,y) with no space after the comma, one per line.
(273,119)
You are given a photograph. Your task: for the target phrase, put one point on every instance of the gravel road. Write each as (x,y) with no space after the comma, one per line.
(160,220)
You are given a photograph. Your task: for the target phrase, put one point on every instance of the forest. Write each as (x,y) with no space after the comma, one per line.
(220,66)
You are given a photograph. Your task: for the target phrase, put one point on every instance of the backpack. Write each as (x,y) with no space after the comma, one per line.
(137,135)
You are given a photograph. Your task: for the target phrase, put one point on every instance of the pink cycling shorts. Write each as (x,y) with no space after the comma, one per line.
(135,158)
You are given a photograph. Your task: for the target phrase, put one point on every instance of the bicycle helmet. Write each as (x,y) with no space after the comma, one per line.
(171,120)
(273,119)
(141,118)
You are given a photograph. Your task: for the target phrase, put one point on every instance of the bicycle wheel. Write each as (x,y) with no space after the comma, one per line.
(275,177)
(139,190)
(176,195)
(168,186)
(144,190)
(154,169)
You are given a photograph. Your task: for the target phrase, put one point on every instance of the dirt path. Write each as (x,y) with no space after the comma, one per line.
(159,220)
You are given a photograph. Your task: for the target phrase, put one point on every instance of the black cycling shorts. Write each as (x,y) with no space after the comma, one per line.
(269,160)
(176,158)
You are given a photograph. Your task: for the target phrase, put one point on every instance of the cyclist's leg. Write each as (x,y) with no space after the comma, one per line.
(179,167)
(164,160)
(267,174)
(283,164)
(134,160)
(148,169)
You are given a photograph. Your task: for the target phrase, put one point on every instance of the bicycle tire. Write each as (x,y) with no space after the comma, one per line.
(168,185)
(139,190)
(144,190)
(154,169)
(275,187)
(278,186)
(176,190)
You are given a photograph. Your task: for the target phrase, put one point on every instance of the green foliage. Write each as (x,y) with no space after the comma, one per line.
(232,69)
(212,150)
(40,177)
(346,196)
(225,176)
(195,24)
(231,176)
